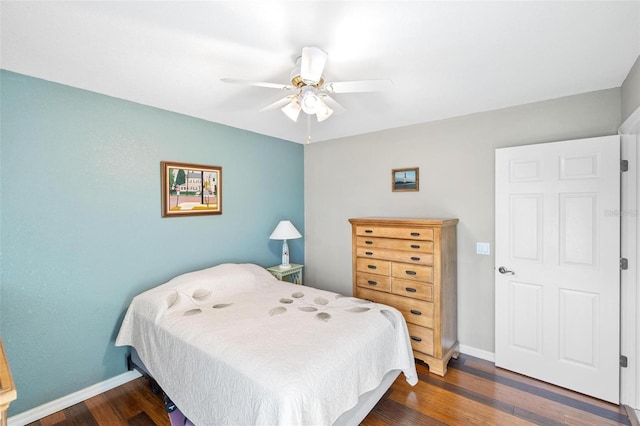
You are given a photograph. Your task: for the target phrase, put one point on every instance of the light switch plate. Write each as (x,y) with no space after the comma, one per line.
(483,248)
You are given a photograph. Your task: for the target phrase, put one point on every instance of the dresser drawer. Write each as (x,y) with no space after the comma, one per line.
(414,311)
(373,266)
(373,282)
(396,255)
(422,234)
(421,339)
(367,294)
(415,289)
(395,244)
(412,272)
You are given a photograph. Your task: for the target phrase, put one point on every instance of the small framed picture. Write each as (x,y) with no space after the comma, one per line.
(191,189)
(404,180)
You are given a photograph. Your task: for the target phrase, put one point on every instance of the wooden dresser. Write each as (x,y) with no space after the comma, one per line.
(7,388)
(410,264)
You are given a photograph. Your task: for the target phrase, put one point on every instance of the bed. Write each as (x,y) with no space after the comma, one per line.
(232,345)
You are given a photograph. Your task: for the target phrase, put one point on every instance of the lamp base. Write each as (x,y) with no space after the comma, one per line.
(285,266)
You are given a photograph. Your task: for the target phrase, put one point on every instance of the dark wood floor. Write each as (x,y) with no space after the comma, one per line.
(474,392)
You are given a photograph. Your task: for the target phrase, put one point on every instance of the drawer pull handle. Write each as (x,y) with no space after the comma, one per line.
(368,242)
(414,312)
(411,289)
(416,338)
(372,267)
(368,253)
(410,272)
(368,231)
(415,259)
(371,282)
(415,234)
(415,246)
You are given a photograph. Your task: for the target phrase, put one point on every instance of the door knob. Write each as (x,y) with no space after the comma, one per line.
(504,270)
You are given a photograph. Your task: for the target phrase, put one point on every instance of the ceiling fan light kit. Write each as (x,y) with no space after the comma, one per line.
(311,91)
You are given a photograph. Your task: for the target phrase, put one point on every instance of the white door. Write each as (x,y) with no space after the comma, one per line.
(557,263)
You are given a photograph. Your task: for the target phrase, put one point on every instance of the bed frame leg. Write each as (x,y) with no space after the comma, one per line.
(155,387)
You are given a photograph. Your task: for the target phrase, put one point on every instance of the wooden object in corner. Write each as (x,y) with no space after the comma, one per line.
(7,388)
(411,264)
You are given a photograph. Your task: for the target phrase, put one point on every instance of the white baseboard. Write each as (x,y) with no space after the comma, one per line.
(478,353)
(59,404)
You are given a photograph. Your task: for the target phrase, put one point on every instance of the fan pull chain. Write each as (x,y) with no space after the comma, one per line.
(308,129)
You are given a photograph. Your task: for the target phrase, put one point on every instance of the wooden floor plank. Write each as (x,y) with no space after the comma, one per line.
(150,403)
(440,403)
(390,412)
(474,392)
(54,419)
(521,397)
(141,419)
(489,367)
(80,415)
(556,402)
(102,408)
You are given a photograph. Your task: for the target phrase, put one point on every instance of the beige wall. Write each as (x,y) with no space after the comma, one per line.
(351,177)
(631,91)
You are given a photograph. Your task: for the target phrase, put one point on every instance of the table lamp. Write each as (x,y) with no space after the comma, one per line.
(285,231)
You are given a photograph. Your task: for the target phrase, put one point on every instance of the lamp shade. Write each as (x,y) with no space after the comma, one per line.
(285,231)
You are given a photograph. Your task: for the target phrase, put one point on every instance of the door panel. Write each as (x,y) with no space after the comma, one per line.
(578,319)
(525,315)
(557,298)
(526,227)
(578,230)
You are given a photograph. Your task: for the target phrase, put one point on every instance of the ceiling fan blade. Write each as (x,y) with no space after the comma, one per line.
(258,83)
(312,64)
(278,104)
(331,103)
(358,86)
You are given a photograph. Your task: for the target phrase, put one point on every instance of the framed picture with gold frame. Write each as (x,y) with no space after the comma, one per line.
(190,189)
(405,180)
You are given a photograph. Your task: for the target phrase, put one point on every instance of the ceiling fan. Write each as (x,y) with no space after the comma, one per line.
(310,92)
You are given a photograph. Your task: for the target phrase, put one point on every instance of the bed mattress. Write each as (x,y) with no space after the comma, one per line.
(233,345)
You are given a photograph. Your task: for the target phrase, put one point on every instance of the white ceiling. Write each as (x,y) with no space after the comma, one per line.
(445,59)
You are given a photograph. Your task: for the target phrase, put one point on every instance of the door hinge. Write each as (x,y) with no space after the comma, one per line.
(623,361)
(624,263)
(624,165)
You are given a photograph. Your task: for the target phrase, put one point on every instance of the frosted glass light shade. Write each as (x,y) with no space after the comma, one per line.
(309,100)
(323,113)
(292,110)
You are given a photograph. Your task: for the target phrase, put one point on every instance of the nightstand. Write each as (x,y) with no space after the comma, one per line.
(294,273)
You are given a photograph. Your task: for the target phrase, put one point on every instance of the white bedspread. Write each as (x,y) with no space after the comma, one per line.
(231,345)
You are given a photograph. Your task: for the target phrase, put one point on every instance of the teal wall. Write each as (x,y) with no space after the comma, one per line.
(81,228)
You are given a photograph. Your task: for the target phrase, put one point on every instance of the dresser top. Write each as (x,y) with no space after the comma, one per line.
(403,221)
